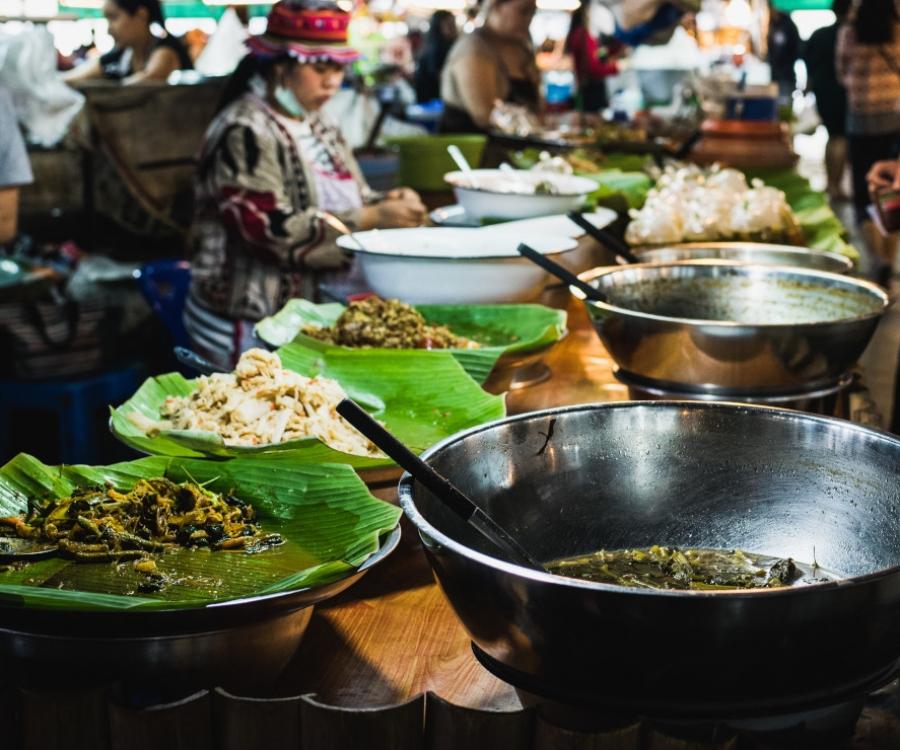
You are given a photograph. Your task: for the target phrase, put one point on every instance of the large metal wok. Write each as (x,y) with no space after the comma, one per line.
(731,328)
(247,641)
(573,480)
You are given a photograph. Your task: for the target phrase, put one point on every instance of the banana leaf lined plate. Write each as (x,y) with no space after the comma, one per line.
(330,522)
(421,396)
(502,329)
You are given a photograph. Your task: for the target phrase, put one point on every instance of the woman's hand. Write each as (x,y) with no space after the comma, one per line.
(395,212)
(884,174)
(403,194)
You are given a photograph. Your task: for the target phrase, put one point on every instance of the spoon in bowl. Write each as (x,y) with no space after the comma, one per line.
(339,226)
(441,487)
(459,158)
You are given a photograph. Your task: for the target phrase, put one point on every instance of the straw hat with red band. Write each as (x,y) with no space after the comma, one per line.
(308,32)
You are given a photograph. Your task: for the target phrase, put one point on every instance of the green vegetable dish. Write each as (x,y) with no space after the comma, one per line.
(476,336)
(688,569)
(157,516)
(167,533)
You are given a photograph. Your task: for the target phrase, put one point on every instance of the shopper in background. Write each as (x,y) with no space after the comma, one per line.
(784,51)
(884,175)
(868,64)
(270,163)
(496,62)
(438,41)
(819,55)
(15,169)
(139,55)
(591,70)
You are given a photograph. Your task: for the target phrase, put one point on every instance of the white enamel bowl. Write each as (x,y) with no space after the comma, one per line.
(501,194)
(452,266)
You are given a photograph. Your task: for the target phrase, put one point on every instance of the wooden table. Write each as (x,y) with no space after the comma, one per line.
(387,664)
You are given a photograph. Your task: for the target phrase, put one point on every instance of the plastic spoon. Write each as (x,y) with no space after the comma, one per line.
(442,488)
(459,158)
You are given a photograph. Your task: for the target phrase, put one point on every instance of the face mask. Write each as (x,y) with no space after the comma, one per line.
(288,101)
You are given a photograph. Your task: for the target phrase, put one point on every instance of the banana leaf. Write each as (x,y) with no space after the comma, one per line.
(328,518)
(502,329)
(821,228)
(421,396)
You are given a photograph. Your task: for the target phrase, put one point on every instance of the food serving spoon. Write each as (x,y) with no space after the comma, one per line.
(441,487)
(563,274)
(604,237)
(459,158)
(193,360)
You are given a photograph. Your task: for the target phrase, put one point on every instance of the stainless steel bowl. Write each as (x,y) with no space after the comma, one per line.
(573,480)
(731,328)
(748,252)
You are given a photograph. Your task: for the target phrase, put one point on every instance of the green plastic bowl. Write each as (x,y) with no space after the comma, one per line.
(424,159)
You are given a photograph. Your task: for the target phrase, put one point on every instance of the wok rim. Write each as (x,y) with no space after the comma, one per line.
(748,270)
(751,248)
(425,528)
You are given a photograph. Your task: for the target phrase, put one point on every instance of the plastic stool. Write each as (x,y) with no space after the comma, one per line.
(75,402)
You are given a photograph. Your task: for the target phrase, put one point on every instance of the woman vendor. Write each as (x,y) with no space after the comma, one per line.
(270,163)
(140,56)
(496,62)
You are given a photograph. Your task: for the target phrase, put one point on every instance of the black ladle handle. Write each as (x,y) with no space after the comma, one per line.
(561,273)
(441,487)
(195,361)
(604,237)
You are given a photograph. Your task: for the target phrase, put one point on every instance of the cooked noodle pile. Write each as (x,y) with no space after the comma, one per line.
(262,403)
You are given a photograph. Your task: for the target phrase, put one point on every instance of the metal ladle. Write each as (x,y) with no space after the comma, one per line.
(194,361)
(441,487)
(339,226)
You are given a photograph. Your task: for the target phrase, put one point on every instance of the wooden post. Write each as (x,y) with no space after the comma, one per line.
(10,719)
(183,725)
(549,736)
(449,727)
(240,723)
(391,728)
(72,720)
(659,741)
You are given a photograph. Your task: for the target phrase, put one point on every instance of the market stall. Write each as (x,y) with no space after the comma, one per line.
(388,664)
(650,502)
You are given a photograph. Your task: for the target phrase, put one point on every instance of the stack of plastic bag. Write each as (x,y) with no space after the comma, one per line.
(44,104)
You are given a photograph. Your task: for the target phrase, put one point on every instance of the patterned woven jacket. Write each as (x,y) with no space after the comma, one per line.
(256,240)
(871,75)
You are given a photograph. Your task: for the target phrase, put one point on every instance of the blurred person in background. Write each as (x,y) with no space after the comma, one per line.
(783,52)
(819,56)
(140,56)
(884,175)
(591,64)
(868,64)
(495,63)
(270,163)
(430,63)
(15,169)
